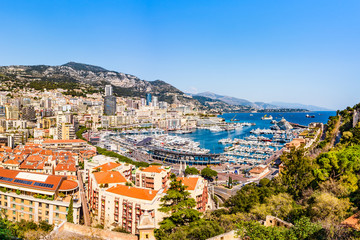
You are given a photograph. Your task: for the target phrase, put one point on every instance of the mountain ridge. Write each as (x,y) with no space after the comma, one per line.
(259,105)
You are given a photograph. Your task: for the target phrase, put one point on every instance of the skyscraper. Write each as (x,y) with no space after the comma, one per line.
(155,101)
(148,99)
(109,105)
(108,90)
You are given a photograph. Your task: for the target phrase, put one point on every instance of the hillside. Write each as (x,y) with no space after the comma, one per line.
(89,78)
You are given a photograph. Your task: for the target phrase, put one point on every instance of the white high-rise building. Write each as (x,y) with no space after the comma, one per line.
(108,90)
(155,101)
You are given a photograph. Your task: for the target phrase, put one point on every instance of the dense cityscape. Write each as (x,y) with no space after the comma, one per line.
(114,163)
(179,120)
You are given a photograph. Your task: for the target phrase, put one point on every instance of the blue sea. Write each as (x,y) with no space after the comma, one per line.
(209,140)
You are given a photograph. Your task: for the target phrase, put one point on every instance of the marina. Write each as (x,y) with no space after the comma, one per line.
(246,139)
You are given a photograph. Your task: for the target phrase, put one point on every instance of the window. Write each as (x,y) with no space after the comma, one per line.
(57,207)
(40,204)
(30,216)
(22,200)
(30,202)
(47,213)
(56,214)
(147,236)
(47,205)
(5,197)
(30,209)
(14,206)
(14,212)
(22,208)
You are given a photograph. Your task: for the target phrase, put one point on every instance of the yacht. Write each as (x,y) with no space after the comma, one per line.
(265,117)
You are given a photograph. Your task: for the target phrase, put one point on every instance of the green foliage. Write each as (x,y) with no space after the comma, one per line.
(118,229)
(302,229)
(297,174)
(281,205)
(330,131)
(208,173)
(191,171)
(18,230)
(81,165)
(70,213)
(180,206)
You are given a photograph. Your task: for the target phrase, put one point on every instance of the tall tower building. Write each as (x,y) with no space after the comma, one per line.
(155,101)
(148,99)
(109,105)
(108,90)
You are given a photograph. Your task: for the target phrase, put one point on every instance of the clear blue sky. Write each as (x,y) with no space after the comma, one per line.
(293,51)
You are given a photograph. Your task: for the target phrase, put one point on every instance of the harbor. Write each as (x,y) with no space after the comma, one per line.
(230,139)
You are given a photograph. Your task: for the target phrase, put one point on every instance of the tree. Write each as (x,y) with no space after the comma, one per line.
(230,182)
(5,231)
(191,171)
(70,214)
(180,206)
(298,172)
(329,209)
(208,173)
(280,205)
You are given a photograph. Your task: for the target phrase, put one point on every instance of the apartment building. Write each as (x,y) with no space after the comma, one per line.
(74,145)
(153,177)
(38,197)
(198,189)
(123,206)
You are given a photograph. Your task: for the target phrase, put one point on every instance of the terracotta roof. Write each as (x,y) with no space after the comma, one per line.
(68,185)
(190,182)
(66,167)
(133,192)
(64,141)
(11,161)
(108,166)
(32,165)
(109,177)
(12,175)
(154,169)
(353,221)
(257,170)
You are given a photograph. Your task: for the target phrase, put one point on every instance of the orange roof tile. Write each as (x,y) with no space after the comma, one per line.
(108,166)
(257,170)
(109,177)
(133,192)
(66,167)
(190,182)
(51,179)
(154,169)
(11,161)
(68,185)
(64,141)
(353,221)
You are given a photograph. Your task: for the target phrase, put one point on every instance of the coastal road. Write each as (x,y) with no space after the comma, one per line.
(84,202)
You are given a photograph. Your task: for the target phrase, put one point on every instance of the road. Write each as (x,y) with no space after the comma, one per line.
(84,202)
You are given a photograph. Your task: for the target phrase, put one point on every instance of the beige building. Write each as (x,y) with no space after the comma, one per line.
(198,189)
(66,131)
(38,197)
(153,177)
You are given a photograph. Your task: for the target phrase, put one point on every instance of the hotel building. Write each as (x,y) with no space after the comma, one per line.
(38,197)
